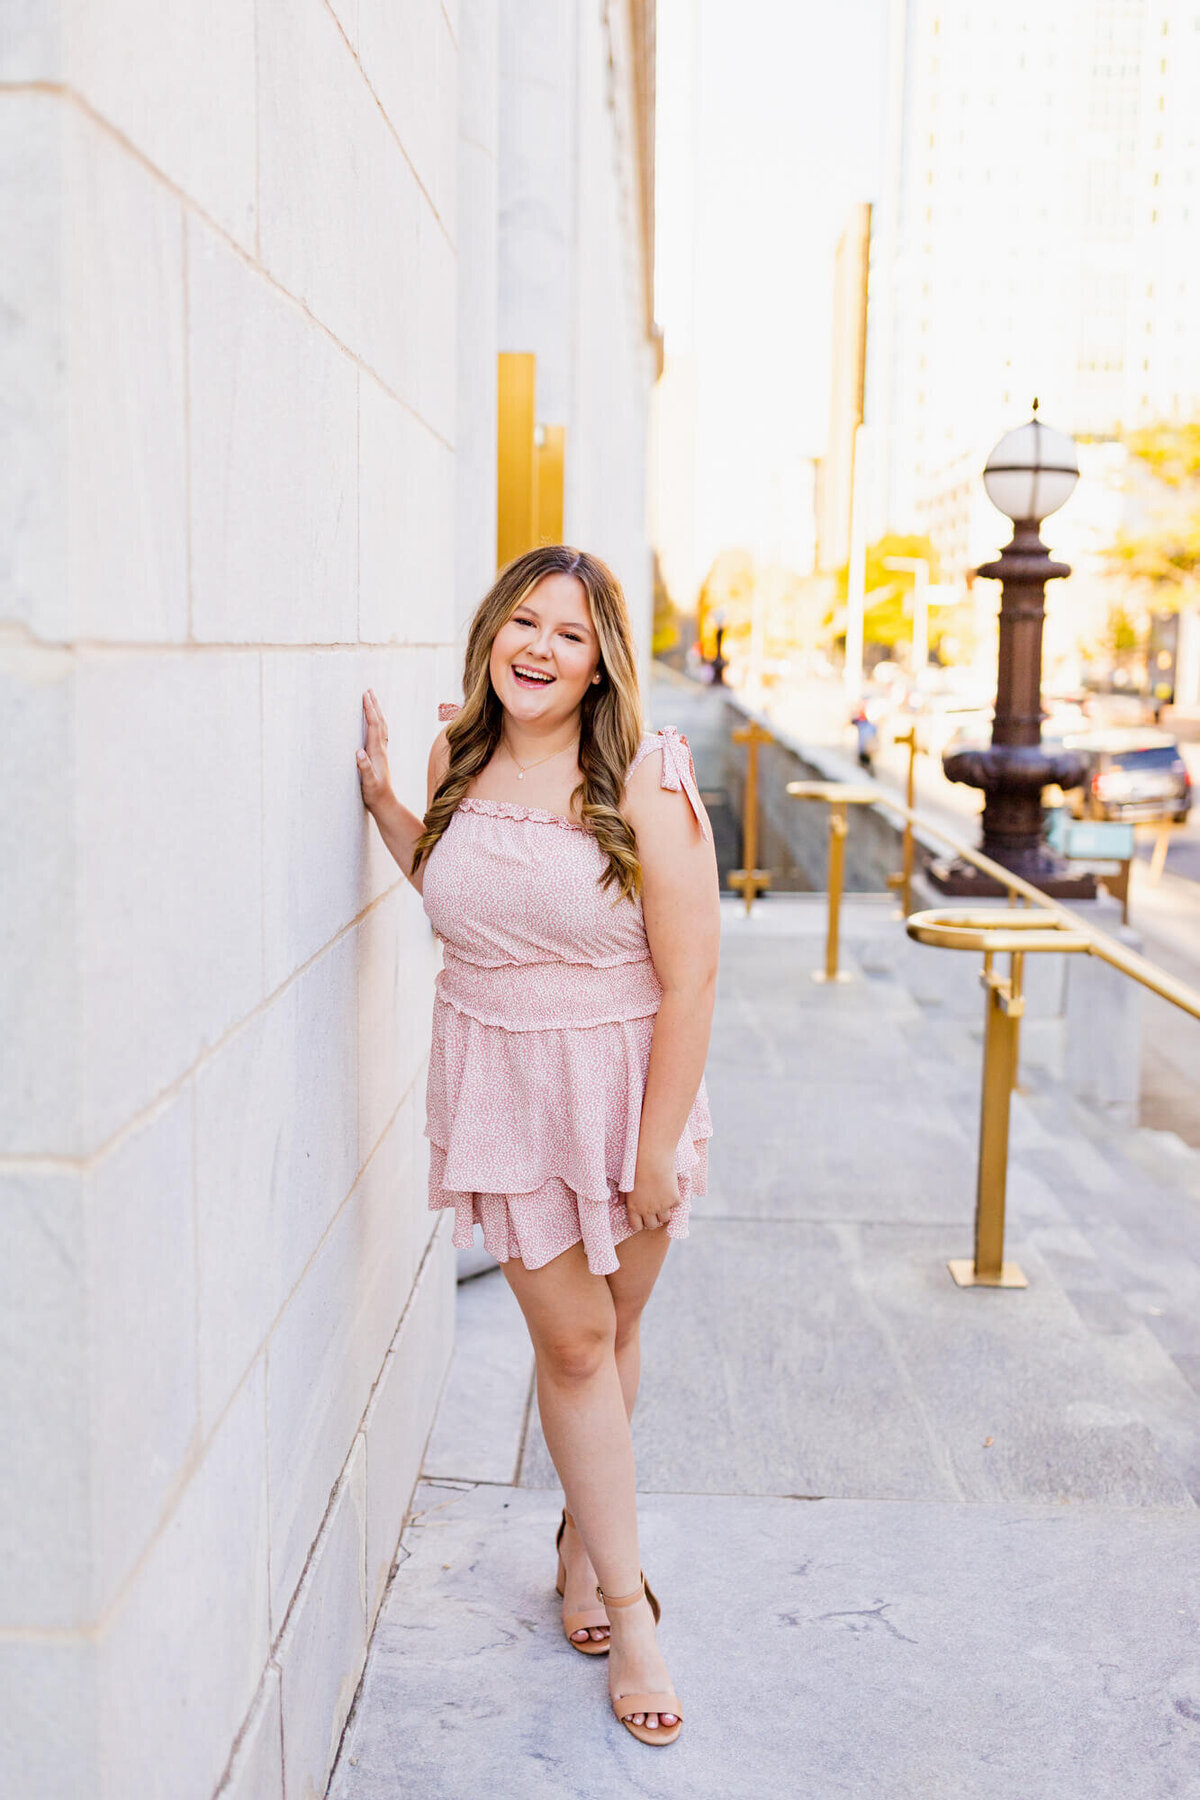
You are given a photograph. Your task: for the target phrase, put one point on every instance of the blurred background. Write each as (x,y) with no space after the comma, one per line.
(312,314)
(883,232)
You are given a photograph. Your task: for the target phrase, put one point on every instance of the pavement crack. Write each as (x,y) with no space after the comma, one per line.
(871,1616)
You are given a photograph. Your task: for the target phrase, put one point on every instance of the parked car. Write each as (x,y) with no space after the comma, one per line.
(943,721)
(1118,712)
(1131,775)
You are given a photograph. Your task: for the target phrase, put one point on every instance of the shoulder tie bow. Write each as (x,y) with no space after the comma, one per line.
(678,772)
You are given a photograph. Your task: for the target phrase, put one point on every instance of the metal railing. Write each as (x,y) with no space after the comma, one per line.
(839,795)
(1050,928)
(749,879)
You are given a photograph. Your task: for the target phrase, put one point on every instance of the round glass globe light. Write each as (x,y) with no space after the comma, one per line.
(1031,472)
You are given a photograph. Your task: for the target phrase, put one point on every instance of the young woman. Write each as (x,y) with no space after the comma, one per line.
(566,862)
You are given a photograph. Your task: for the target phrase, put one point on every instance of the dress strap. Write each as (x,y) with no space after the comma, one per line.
(678,771)
(447,709)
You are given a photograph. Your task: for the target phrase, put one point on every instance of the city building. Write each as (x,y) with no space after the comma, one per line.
(847,383)
(1038,236)
(260,262)
(675,412)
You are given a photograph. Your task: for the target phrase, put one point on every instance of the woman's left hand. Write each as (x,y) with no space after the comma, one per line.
(373,761)
(654,1196)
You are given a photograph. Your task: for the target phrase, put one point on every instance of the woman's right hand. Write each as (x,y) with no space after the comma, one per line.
(372,761)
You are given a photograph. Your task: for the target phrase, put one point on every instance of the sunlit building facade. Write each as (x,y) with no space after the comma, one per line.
(261,263)
(847,380)
(1038,235)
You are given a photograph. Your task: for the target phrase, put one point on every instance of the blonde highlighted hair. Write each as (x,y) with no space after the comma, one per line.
(610,724)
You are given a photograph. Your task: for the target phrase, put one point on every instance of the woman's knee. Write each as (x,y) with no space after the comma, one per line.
(576,1354)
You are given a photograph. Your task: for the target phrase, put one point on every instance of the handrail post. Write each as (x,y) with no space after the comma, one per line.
(749,878)
(995,935)
(838,796)
(903,880)
(837,867)
(1005,1004)
(1016,969)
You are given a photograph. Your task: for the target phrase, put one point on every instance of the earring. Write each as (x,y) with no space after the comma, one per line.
(596,676)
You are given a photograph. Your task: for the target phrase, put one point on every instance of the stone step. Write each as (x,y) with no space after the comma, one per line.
(1165,1154)
(854,1648)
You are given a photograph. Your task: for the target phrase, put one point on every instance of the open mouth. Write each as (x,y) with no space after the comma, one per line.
(531,678)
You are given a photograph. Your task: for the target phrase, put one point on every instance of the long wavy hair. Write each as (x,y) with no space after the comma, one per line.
(610,724)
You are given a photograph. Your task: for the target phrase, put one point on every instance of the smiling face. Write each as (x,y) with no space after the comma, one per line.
(545,655)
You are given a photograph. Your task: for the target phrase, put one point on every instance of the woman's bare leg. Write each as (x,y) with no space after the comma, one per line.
(641,1258)
(571,1315)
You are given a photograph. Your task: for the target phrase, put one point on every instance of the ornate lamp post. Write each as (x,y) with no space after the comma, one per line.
(1030,474)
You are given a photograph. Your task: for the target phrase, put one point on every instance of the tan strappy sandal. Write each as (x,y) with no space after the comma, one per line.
(579,1621)
(623,1704)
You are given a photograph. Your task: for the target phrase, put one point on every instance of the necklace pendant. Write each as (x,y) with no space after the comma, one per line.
(521,775)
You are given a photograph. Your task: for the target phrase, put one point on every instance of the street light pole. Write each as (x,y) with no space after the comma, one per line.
(918,568)
(920,648)
(1030,474)
(856,577)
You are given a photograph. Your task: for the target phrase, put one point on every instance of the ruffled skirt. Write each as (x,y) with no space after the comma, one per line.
(533,1135)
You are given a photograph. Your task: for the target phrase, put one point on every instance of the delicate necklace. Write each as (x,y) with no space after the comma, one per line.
(524,768)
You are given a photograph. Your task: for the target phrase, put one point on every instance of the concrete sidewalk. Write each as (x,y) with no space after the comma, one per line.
(911,1540)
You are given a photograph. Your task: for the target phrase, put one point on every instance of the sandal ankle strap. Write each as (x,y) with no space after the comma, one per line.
(611,1600)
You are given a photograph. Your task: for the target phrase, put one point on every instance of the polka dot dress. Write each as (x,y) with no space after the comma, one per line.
(542,1025)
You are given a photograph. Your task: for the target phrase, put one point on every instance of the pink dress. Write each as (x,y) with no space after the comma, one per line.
(542,1023)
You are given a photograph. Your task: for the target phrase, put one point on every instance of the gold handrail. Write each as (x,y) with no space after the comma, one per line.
(750,879)
(958,928)
(1100,944)
(995,934)
(903,880)
(1048,926)
(839,795)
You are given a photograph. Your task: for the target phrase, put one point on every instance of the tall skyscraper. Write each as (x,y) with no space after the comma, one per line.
(847,379)
(1038,235)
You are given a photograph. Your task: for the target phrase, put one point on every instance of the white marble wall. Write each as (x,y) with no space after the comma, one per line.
(478,293)
(230,339)
(249,314)
(568,227)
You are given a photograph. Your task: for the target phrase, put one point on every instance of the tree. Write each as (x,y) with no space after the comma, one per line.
(887,616)
(1168,560)
(727,590)
(786,608)
(1172,452)
(1121,632)
(665,629)
(1165,557)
